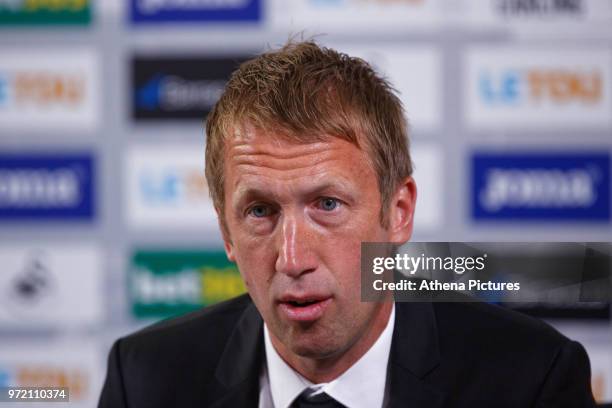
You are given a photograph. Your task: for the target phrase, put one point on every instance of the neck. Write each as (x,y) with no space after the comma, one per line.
(323,370)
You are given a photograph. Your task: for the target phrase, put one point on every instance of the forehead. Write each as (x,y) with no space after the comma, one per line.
(253,156)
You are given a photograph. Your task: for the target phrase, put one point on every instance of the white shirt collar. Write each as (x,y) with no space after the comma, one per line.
(361,386)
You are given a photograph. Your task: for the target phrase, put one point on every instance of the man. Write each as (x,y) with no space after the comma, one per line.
(306,158)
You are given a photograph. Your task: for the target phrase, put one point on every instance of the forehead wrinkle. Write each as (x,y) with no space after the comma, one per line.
(284,159)
(282,149)
(282,162)
(282,169)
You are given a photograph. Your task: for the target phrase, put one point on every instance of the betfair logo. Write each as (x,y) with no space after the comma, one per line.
(168,283)
(44,11)
(198,287)
(537,86)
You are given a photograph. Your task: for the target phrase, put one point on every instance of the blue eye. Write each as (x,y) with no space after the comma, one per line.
(328,204)
(259,211)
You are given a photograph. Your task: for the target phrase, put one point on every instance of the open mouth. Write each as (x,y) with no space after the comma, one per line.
(302,303)
(304,310)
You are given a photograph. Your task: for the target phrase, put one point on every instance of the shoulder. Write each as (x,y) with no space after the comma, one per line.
(490,334)
(488,341)
(202,334)
(485,339)
(484,323)
(223,314)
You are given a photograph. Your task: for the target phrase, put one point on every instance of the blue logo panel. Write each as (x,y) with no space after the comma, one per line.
(46,187)
(168,11)
(541,186)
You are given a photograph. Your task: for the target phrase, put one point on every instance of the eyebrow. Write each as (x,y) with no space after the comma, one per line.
(341,187)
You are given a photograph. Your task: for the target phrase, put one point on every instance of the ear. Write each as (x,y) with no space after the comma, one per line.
(227,242)
(401,214)
(229,250)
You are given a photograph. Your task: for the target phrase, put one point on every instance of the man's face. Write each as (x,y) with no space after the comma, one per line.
(296,215)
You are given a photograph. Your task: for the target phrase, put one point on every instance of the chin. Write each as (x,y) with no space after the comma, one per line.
(313,351)
(314,346)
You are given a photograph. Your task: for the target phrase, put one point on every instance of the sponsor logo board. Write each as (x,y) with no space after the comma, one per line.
(165,187)
(601,371)
(50,285)
(543,88)
(44,12)
(44,186)
(170,283)
(539,186)
(61,94)
(77,366)
(415,73)
(179,88)
(546,16)
(203,11)
(350,15)
(428,175)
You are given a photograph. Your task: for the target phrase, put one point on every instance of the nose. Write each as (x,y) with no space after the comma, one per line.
(295,239)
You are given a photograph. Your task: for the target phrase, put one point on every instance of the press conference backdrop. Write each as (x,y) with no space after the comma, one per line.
(105,220)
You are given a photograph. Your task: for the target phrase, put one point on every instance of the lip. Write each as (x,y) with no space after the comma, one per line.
(308,313)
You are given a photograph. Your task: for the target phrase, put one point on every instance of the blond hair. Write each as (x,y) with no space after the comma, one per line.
(305,92)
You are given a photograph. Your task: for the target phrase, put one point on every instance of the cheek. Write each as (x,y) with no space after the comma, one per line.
(342,253)
(343,259)
(256,264)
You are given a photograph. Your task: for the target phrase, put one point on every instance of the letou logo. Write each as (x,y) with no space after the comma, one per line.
(44,186)
(61,93)
(159,11)
(165,187)
(543,88)
(179,88)
(17,12)
(169,283)
(541,186)
(76,366)
(50,285)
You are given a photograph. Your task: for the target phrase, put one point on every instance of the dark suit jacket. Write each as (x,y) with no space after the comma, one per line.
(442,355)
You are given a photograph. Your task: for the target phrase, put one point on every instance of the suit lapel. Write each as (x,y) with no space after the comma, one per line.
(414,354)
(240,364)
